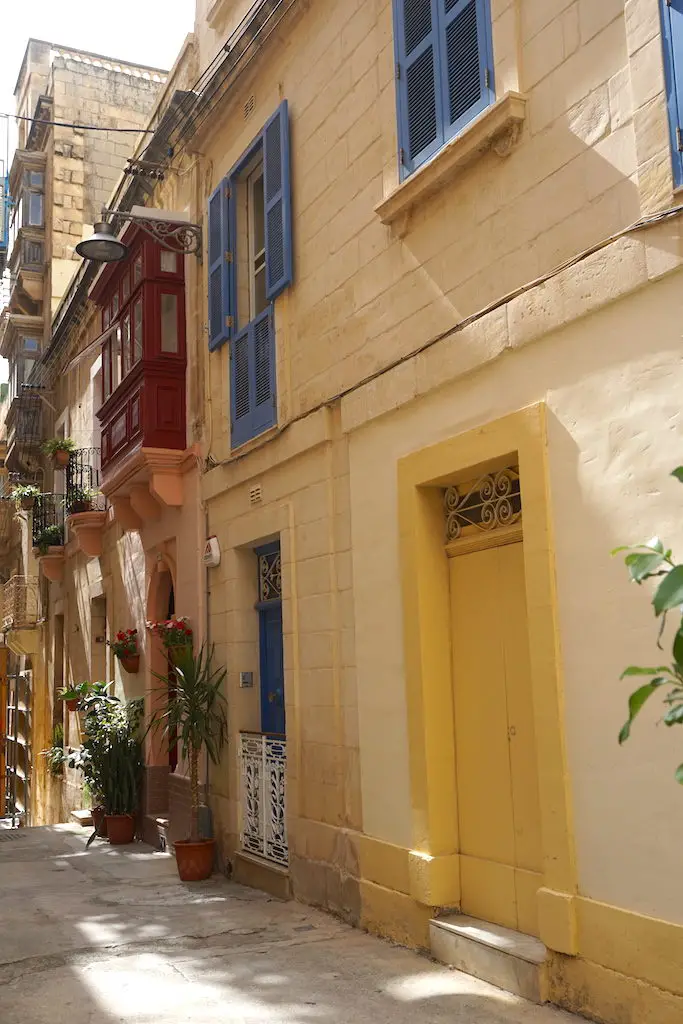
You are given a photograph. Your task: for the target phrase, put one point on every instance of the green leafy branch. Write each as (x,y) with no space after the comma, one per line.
(653,561)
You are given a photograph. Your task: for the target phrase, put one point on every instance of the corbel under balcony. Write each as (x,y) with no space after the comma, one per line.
(148,482)
(52,563)
(87,528)
(498,128)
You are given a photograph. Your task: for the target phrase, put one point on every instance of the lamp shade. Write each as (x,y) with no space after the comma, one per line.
(103,246)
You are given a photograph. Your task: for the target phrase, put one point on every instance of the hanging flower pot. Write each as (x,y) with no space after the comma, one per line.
(26,504)
(60,459)
(72,705)
(59,449)
(125,647)
(25,496)
(176,636)
(130,662)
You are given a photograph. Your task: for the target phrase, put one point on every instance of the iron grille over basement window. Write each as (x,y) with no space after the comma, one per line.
(444,67)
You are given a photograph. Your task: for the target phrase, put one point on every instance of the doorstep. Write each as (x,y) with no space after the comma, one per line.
(505,958)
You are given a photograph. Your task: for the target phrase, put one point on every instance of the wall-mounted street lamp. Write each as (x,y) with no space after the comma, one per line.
(174,235)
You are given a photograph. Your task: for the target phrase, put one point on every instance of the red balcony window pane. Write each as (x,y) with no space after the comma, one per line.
(169,323)
(168,262)
(106,371)
(137,331)
(125,345)
(118,431)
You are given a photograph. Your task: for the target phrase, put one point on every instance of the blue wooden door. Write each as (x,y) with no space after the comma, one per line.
(272,668)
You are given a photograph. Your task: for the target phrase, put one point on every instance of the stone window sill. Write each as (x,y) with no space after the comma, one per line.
(497,128)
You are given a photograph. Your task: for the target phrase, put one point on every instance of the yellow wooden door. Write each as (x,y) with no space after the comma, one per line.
(497,781)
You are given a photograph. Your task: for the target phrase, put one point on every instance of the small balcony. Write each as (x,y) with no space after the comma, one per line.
(24,424)
(21,614)
(144,447)
(263,768)
(27,265)
(85,505)
(48,535)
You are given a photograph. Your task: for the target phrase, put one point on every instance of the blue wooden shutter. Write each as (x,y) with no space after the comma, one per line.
(252,379)
(278,202)
(220,311)
(466,60)
(417,67)
(672,40)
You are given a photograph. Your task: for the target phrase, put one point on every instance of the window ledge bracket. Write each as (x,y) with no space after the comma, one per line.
(497,128)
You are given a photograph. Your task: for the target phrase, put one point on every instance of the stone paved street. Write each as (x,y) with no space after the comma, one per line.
(111,935)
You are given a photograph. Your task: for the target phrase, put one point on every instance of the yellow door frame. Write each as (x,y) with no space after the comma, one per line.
(519,438)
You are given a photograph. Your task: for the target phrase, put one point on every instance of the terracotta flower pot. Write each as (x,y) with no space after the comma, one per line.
(195,860)
(176,651)
(120,828)
(131,662)
(72,705)
(26,504)
(60,459)
(99,820)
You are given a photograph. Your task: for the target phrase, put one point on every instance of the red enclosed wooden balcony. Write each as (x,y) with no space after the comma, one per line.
(143,380)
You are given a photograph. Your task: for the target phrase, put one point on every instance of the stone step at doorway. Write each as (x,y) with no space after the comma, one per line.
(510,960)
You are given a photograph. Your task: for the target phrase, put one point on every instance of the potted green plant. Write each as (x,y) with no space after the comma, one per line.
(55,756)
(50,537)
(25,496)
(175,634)
(193,708)
(79,499)
(125,647)
(59,449)
(114,753)
(652,560)
(88,760)
(74,694)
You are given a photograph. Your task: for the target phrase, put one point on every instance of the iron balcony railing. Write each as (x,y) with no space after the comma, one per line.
(263,769)
(48,520)
(83,482)
(20,603)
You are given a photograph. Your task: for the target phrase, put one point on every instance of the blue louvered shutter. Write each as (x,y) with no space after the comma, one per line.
(252,375)
(220,312)
(672,41)
(420,100)
(278,202)
(466,61)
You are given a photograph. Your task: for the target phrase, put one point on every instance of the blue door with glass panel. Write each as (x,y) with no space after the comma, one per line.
(271,660)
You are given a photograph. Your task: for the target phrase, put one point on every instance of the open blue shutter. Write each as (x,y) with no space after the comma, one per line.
(466,60)
(672,41)
(220,290)
(252,379)
(417,68)
(278,202)
(263,347)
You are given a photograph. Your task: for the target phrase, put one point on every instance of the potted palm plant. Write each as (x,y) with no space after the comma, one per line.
(25,496)
(59,449)
(193,708)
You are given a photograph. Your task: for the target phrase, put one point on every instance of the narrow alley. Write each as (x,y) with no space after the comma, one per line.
(111,935)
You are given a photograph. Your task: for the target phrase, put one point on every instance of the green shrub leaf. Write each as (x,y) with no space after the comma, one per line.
(641,566)
(674,715)
(635,703)
(669,593)
(638,670)
(678,473)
